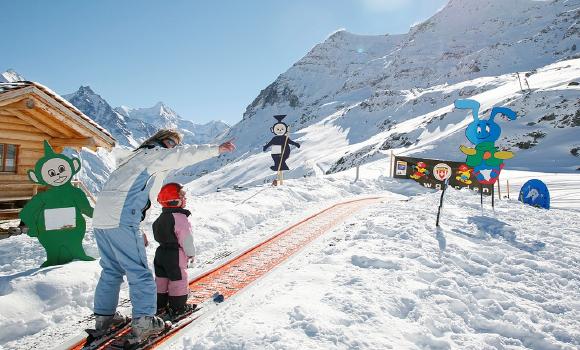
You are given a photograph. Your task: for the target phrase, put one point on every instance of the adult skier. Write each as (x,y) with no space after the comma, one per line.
(120,208)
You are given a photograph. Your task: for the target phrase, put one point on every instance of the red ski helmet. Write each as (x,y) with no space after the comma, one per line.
(169,195)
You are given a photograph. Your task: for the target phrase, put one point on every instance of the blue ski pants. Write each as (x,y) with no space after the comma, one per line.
(122,251)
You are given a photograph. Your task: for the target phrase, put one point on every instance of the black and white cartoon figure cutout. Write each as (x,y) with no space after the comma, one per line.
(280,144)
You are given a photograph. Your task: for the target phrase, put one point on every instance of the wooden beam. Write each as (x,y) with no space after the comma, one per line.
(69,119)
(44,121)
(6,117)
(8,101)
(59,128)
(55,120)
(28,161)
(80,124)
(16,95)
(15,198)
(25,103)
(52,109)
(37,120)
(25,136)
(27,144)
(17,127)
(31,153)
(72,142)
(13,177)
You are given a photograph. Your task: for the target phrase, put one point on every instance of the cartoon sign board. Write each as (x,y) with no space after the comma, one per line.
(280,144)
(485,158)
(432,173)
(55,216)
(401,168)
(442,172)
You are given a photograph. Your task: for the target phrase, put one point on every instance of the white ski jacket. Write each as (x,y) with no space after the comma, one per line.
(125,194)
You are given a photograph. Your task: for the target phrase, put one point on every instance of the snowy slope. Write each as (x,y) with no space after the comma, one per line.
(364,85)
(544,137)
(384,279)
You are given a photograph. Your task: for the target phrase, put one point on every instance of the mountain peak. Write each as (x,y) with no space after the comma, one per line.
(11,76)
(337,34)
(85,90)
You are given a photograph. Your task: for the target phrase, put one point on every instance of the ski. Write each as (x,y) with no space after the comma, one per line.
(128,341)
(94,339)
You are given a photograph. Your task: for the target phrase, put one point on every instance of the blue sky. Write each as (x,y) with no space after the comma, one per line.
(205,59)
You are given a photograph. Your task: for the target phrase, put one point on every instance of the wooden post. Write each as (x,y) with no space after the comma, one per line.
(391,173)
(282,156)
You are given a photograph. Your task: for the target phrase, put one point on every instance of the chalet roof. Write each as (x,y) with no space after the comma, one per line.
(30,85)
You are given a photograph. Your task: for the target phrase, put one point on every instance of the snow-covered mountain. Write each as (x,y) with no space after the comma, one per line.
(371,87)
(131,126)
(353,97)
(127,132)
(161,116)
(11,76)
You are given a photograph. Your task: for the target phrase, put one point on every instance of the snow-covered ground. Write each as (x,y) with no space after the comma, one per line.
(507,278)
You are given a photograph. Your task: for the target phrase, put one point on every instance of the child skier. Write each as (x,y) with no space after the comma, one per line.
(173,232)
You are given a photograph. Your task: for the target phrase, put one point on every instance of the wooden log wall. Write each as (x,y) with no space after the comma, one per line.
(29,139)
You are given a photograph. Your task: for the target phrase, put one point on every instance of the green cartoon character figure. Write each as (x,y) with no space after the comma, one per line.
(55,216)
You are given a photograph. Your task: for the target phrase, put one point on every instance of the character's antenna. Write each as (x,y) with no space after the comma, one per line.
(279,117)
(511,115)
(469,104)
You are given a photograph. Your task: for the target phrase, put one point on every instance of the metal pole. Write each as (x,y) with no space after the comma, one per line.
(492,196)
(521,88)
(526,81)
(498,189)
(357,172)
(481,195)
(508,188)
(441,202)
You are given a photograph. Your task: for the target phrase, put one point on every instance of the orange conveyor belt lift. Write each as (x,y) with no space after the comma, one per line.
(240,271)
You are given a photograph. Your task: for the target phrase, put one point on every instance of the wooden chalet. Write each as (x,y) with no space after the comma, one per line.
(29,114)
